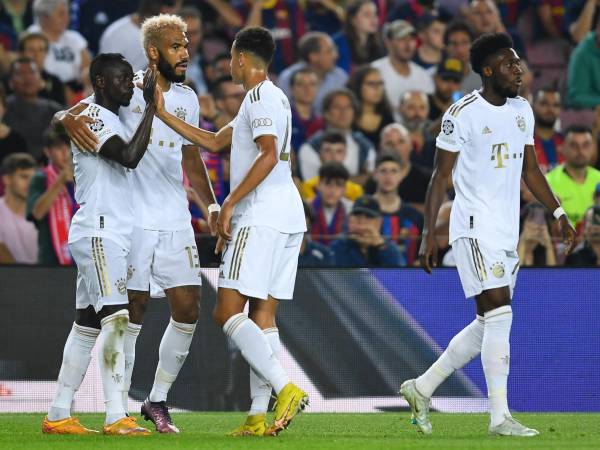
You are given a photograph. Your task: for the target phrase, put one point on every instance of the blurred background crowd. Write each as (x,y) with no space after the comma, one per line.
(368,82)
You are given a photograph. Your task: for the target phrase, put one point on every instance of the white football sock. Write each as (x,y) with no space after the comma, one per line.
(463,347)
(256,350)
(495,358)
(76,359)
(111,360)
(131,335)
(260,390)
(173,350)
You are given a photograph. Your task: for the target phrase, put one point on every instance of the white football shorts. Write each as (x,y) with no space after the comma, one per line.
(101,273)
(482,267)
(169,258)
(260,261)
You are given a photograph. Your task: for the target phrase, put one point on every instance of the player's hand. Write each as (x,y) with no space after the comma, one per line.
(428,252)
(78,130)
(568,233)
(220,244)
(224,220)
(150,78)
(159,100)
(212,223)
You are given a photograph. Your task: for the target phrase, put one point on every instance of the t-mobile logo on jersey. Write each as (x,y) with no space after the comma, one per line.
(501,154)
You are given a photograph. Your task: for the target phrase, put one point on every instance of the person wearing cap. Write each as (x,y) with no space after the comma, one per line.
(430,30)
(588,252)
(364,246)
(313,254)
(399,72)
(447,79)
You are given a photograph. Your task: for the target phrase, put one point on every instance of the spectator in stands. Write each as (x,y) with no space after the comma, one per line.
(218,67)
(551,15)
(27,113)
(305,120)
(124,36)
(374,111)
(574,181)
(431,37)
(548,141)
(327,16)
(18,237)
(458,39)
(10,140)
(414,180)
(414,113)
(535,243)
(330,205)
(194,72)
(583,89)
(51,202)
(399,72)
(228,97)
(332,148)
(313,254)
(68,58)
(587,253)
(359,42)
(339,109)
(580,17)
(485,18)
(401,222)
(318,52)
(35,46)
(447,79)
(364,246)
(15,17)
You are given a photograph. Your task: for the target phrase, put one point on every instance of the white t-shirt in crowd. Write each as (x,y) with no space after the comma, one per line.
(18,235)
(125,37)
(275,202)
(395,84)
(102,186)
(64,55)
(487,175)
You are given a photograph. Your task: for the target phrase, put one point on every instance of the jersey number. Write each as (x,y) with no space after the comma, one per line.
(283,155)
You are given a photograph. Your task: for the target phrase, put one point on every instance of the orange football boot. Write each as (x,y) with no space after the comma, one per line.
(70,425)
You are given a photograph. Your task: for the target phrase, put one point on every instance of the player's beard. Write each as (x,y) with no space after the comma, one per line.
(167,71)
(505,91)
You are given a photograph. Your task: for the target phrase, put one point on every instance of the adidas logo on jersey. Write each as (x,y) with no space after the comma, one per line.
(486,130)
(137,109)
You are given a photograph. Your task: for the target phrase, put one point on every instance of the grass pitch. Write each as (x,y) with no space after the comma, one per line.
(318,431)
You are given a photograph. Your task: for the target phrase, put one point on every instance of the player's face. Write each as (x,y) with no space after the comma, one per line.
(119,84)
(235,65)
(398,142)
(547,108)
(18,182)
(173,56)
(305,87)
(333,151)
(507,73)
(387,176)
(331,191)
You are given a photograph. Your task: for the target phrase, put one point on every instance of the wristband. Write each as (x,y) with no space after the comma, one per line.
(214,208)
(559,212)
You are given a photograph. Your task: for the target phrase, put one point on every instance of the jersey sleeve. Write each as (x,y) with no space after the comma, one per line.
(106,125)
(530,126)
(261,116)
(453,134)
(193,118)
(233,122)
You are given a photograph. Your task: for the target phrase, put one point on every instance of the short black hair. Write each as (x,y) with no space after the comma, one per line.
(217,86)
(17,161)
(300,72)
(488,45)
(547,89)
(333,171)
(54,139)
(258,41)
(577,129)
(332,137)
(21,60)
(387,157)
(310,43)
(458,27)
(102,62)
(331,95)
(29,36)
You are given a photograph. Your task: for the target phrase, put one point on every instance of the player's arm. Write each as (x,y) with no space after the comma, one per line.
(539,187)
(76,126)
(264,163)
(436,194)
(213,142)
(196,171)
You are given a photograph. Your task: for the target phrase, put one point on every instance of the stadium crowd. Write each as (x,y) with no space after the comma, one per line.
(368,82)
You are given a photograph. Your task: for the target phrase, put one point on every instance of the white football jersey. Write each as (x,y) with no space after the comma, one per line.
(102,186)
(487,175)
(276,201)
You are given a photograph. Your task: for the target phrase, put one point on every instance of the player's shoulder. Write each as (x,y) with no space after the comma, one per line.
(265,91)
(519,103)
(465,106)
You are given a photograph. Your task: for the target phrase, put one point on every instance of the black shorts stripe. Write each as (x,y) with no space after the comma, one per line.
(96,259)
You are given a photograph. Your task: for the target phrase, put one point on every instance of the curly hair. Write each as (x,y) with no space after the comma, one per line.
(258,41)
(488,45)
(155,26)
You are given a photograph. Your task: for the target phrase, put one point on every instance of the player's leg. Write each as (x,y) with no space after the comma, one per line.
(176,269)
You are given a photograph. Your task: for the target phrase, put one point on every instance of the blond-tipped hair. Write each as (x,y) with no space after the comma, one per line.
(154,26)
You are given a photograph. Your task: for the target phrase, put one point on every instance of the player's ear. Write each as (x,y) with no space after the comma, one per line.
(99,81)
(152,52)
(486,71)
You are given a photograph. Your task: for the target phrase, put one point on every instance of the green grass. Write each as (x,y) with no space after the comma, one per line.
(318,431)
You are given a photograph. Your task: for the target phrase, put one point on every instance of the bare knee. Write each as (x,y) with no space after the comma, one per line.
(185,303)
(263,319)
(138,303)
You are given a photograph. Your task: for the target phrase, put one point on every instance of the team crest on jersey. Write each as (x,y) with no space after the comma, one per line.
(447,127)
(521,123)
(121,286)
(96,126)
(498,269)
(180,112)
